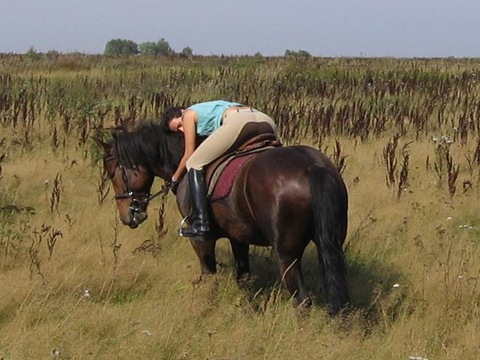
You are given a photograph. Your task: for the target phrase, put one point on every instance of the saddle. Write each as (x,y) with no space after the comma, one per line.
(221,173)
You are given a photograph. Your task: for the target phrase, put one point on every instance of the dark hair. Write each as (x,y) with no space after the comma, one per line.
(171,114)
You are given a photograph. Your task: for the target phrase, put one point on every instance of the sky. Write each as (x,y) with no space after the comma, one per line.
(367,28)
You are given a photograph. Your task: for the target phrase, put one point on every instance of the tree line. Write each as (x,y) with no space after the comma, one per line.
(162,47)
(129,47)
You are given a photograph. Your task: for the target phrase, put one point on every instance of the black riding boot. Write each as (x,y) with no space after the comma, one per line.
(198,193)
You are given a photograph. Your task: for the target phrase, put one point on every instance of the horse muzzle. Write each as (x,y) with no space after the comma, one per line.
(135,219)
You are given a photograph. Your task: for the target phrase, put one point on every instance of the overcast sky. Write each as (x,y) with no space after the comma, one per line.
(397,28)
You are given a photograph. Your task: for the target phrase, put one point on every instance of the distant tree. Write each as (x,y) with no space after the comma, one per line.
(164,47)
(33,54)
(187,52)
(303,53)
(52,54)
(148,48)
(161,47)
(300,53)
(121,47)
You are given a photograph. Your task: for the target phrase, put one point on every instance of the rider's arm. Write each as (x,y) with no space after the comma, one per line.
(190,135)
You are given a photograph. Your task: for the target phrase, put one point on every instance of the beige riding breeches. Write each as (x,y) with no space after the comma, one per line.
(233,129)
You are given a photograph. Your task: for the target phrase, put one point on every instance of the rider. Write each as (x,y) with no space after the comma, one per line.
(222,123)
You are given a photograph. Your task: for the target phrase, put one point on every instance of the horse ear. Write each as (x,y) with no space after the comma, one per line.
(102,144)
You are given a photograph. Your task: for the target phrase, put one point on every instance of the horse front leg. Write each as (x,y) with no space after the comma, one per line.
(242,260)
(205,250)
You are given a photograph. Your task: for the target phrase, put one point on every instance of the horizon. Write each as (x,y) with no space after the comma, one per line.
(344,28)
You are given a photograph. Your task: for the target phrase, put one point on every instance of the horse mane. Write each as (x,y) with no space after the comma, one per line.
(148,145)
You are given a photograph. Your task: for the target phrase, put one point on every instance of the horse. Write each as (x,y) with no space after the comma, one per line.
(282,197)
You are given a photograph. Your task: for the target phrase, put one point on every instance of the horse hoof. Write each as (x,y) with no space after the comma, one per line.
(304,308)
(246,281)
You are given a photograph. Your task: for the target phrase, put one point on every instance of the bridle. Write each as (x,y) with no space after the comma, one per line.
(139,200)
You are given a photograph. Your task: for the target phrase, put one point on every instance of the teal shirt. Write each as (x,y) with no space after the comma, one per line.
(210,115)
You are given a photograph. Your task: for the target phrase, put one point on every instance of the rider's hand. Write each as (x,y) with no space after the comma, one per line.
(172,184)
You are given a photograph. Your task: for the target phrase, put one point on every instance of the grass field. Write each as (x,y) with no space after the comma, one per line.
(76,284)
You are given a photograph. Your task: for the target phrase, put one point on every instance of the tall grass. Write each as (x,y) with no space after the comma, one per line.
(76,284)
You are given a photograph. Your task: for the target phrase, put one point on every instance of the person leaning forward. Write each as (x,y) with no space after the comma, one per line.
(222,123)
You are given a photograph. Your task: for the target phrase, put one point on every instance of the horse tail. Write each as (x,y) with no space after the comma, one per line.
(330,206)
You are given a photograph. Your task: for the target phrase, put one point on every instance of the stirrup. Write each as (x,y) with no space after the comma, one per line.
(182,226)
(201,235)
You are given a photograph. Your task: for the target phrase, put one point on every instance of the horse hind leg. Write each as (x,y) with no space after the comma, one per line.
(289,243)
(292,277)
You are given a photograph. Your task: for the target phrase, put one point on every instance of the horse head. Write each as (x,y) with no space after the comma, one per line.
(132,159)
(131,185)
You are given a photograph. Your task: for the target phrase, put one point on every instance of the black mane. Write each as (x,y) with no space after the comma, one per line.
(148,145)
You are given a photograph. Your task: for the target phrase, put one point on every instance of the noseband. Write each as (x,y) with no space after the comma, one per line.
(139,201)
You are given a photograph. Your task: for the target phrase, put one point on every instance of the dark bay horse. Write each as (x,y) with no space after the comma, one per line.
(283,197)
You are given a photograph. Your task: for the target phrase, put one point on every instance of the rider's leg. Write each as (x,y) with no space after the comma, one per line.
(200,224)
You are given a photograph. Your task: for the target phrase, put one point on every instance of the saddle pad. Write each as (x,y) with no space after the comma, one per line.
(225,180)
